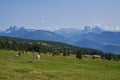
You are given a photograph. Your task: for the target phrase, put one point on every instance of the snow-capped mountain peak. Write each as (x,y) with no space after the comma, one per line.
(94,29)
(11,29)
(67,30)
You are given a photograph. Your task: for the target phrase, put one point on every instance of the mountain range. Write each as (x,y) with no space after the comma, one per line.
(89,37)
(14,31)
(95,38)
(69,32)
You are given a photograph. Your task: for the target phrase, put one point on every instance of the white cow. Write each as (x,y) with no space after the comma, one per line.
(35,58)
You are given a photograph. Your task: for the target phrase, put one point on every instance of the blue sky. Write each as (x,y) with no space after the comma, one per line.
(52,14)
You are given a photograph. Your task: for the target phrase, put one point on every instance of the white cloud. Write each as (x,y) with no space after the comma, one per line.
(53,28)
(42,21)
(117,28)
(111,28)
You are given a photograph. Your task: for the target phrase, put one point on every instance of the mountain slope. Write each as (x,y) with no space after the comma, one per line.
(88,37)
(105,41)
(88,43)
(11,43)
(33,34)
(69,32)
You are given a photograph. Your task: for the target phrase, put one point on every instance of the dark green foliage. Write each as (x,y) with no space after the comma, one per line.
(65,52)
(25,45)
(110,56)
(42,46)
(79,54)
(116,57)
(19,53)
(55,52)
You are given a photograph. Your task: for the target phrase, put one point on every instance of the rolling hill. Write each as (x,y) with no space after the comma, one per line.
(11,43)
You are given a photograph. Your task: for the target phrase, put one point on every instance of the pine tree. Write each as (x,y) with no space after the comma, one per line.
(65,52)
(108,56)
(78,55)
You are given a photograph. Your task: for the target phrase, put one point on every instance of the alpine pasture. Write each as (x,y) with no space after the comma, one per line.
(55,68)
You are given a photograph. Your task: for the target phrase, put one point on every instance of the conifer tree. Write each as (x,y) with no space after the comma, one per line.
(78,55)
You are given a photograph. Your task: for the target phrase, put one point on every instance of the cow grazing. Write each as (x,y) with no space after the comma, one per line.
(35,58)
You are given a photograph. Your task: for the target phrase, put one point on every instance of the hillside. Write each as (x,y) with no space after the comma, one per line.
(21,32)
(105,41)
(95,37)
(55,68)
(12,43)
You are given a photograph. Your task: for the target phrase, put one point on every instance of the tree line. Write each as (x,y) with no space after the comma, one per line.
(55,48)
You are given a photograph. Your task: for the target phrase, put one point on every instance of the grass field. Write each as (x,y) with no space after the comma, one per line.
(55,68)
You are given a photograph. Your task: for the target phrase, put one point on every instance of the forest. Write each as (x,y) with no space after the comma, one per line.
(55,48)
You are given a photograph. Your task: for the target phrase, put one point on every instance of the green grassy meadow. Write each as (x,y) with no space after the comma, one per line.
(55,68)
